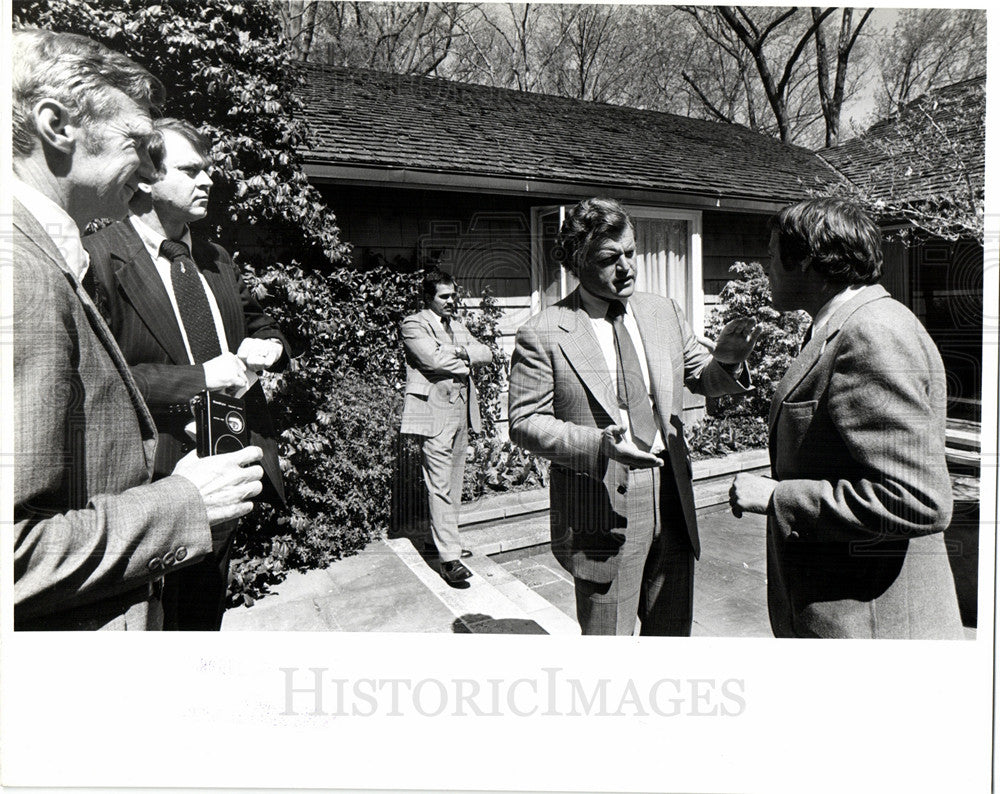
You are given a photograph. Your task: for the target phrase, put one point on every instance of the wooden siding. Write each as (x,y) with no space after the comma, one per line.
(727,238)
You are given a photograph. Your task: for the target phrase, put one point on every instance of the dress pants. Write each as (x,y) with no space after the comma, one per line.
(443,466)
(655,578)
(194,598)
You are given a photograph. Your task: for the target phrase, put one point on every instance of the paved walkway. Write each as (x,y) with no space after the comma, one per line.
(390,587)
(519,588)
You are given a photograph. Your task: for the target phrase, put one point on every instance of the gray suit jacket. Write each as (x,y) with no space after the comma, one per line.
(855,545)
(434,379)
(561,397)
(90,532)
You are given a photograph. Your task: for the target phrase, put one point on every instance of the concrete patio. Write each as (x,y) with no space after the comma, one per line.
(518,587)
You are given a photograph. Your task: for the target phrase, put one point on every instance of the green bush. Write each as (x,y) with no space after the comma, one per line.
(339,404)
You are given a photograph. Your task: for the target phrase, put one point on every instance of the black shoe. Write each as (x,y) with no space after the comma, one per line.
(454,572)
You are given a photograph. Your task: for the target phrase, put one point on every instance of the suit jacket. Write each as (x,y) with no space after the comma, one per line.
(562,396)
(90,531)
(130,293)
(855,544)
(434,379)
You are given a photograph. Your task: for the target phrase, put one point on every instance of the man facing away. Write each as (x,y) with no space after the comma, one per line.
(185,321)
(596,386)
(440,407)
(861,493)
(92,536)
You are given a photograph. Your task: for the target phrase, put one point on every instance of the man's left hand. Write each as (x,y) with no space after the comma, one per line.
(736,341)
(750,494)
(259,354)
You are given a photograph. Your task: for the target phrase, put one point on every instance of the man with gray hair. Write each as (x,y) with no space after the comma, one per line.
(92,536)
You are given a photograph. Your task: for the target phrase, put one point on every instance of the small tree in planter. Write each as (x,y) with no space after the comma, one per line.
(736,423)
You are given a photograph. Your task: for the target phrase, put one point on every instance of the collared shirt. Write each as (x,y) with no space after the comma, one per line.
(597,309)
(59,226)
(152,240)
(446,330)
(830,307)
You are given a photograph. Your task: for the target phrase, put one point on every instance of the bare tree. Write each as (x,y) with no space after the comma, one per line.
(298,19)
(408,38)
(833,101)
(720,75)
(754,34)
(512,45)
(600,58)
(929,48)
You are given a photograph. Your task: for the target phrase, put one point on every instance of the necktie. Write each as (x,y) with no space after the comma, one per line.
(446,323)
(633,395)
(192,302)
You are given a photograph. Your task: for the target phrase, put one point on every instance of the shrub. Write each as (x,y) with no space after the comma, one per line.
(497,466)
(737,423)
(716,436)
(749,295)
(338,470)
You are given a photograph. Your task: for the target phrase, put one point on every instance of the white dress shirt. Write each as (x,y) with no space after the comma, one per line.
(830,307)
(57,223)
(152,240)
(597,310)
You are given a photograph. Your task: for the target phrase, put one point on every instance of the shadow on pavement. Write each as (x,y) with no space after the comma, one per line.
(484,624)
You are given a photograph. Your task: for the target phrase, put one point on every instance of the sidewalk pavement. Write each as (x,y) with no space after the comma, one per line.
(391,587)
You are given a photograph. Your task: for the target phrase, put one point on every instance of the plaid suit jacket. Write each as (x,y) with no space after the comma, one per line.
(561,397)
(90,531)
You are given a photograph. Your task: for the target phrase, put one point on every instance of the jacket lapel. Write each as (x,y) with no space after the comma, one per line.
(813,351)
(225,289)
(34,232)
(653,329)
(579,345)
(141,283)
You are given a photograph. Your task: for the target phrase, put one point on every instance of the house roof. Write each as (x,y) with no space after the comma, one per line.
(916,154)
(434,126)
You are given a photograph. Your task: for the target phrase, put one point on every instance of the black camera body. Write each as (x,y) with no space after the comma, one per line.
(220,423)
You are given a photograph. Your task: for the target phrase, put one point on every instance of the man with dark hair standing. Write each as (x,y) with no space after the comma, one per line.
(861,493)
(92,536)
(185,322)
(441,407)
(596,386)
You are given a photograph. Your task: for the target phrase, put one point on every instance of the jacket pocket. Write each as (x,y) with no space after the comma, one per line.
(418,388)
(793,424)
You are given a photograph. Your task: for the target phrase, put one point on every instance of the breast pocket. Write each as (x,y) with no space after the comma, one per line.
(794,421)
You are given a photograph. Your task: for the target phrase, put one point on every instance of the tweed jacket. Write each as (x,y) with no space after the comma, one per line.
(562,396)
(129,291)
(90,531)
(857,444)
(434,379)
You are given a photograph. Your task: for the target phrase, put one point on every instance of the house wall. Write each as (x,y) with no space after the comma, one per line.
(485,240)
(729,237)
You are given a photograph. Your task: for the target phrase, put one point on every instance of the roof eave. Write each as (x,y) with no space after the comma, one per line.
(325,173)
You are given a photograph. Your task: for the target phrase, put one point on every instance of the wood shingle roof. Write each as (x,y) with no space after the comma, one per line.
(391,121)
(920,152)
